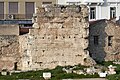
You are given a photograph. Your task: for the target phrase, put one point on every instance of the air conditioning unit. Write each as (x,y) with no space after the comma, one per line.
(11,16)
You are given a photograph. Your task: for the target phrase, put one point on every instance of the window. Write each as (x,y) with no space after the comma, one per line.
(29,9)
(96,40)
(1,10)
(44,4)
(112,12)
(110,38)
(92,13)
(13,7)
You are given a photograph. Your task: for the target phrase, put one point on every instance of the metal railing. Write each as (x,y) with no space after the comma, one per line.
(25,21)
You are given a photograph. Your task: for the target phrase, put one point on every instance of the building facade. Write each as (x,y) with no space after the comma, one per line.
(24,9)
(98,9)
(21,9)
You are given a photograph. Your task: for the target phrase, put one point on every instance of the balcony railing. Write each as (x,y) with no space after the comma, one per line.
(113,1)
(20,22)
(15,16)
(94,1)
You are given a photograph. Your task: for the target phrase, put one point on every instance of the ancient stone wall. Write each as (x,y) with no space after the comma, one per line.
(9,47)
(9,52)
(59,37)
(108,47)
(25,49)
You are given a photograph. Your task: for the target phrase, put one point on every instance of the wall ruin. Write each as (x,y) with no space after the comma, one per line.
(9,52)
(59,37)
(9,47)
(108,47)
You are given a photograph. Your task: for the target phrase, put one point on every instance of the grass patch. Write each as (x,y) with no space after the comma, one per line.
(104,63)
(80,67)
(113,77)
(57,74)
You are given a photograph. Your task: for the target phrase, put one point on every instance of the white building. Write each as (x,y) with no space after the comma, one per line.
(98,9)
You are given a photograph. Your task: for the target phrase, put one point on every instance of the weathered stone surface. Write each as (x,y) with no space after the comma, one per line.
(60,38)
(107,49)
(26,57)
(9,51)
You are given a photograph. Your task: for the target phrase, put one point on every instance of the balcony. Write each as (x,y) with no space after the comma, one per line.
(20,22)
(113,1)
(15,16)
(15,19)
(94,1)
(71,2)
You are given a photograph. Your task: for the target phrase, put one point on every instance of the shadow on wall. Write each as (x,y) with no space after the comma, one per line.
(97,40)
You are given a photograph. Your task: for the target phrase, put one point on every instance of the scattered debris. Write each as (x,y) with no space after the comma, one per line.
(90,70)
(67,70)
(111,69)
(4,72)
(78,71)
